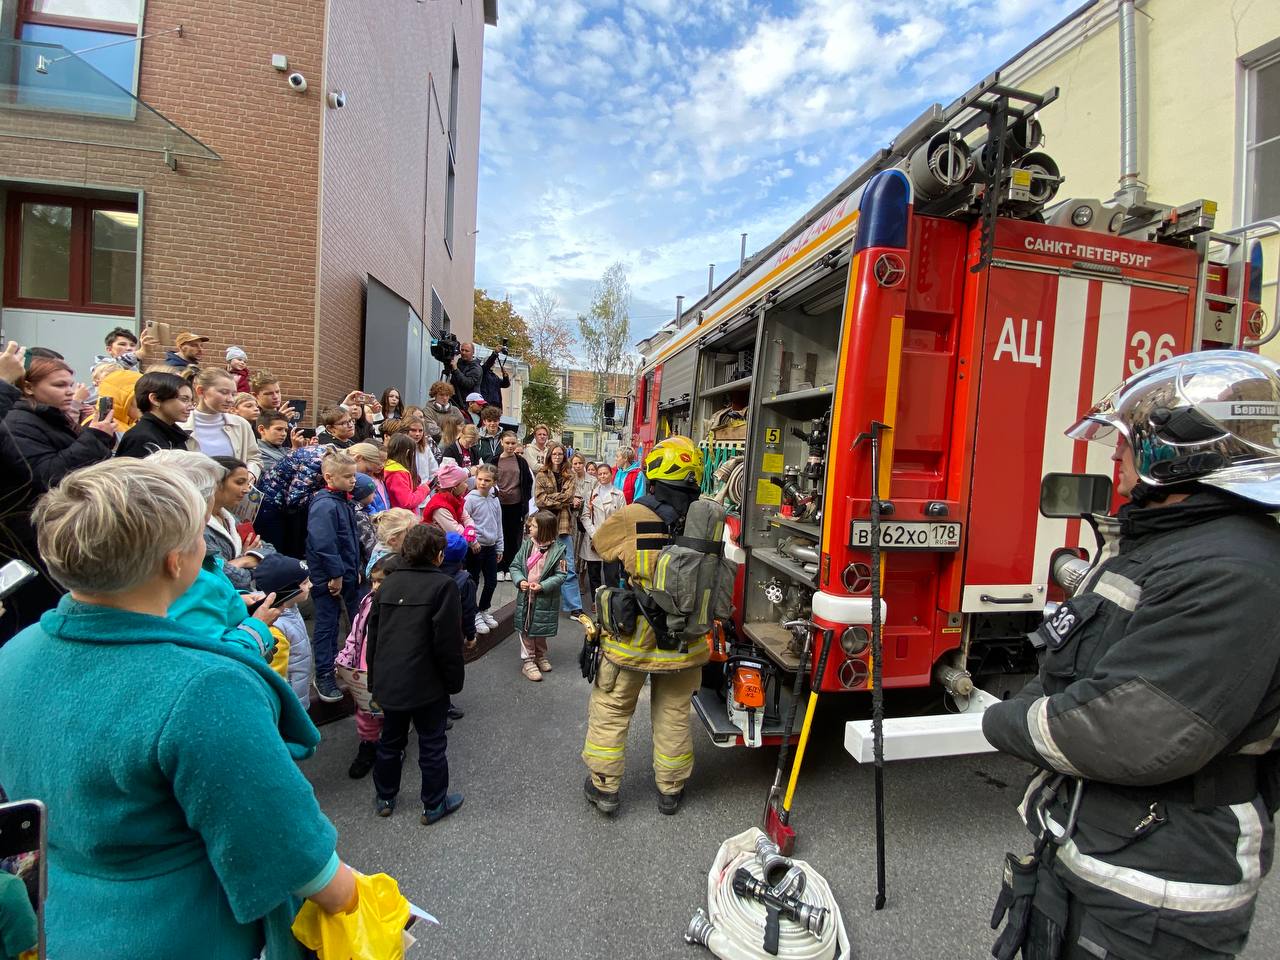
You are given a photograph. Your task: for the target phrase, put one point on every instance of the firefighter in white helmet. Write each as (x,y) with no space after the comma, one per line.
(1155,718)
(634,535)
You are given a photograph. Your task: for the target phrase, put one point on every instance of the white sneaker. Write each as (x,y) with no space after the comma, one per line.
(504,576)
(489,618)
(481,625)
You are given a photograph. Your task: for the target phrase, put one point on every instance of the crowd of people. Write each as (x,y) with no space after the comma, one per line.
(170,497)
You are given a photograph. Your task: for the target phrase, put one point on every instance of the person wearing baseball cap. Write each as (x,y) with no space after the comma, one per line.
(189,348)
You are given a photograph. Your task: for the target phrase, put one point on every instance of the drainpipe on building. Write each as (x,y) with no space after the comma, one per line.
(1132,192)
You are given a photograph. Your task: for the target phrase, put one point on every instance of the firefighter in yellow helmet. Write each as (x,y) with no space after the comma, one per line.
(633,536)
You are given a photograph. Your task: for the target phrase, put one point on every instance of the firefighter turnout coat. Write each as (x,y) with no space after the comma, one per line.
(634,536)
(1159,688)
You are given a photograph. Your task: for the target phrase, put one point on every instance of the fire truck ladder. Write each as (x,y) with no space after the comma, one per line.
(1219,316)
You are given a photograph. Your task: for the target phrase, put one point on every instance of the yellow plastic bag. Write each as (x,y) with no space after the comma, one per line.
(374,930)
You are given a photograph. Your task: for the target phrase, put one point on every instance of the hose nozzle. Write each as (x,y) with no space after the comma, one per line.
(780,874)
(700,929)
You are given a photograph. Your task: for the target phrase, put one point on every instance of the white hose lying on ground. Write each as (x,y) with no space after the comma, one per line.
(738,923)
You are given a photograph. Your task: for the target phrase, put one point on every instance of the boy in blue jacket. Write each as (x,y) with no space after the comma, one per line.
(333,557)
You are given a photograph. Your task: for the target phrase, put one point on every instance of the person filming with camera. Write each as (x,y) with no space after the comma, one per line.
(465,374)
(492,382)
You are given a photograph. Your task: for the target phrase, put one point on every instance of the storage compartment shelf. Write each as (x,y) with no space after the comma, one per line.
(811,530)
(776,641)
(812,393)
(772,558)
(742,383)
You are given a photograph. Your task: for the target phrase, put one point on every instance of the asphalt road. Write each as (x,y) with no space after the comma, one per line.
(528,869)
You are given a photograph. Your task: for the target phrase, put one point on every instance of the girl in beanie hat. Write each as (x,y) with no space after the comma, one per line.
(238,367)
(447,509)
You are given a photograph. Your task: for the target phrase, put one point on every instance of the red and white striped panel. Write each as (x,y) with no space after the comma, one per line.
(1052,345)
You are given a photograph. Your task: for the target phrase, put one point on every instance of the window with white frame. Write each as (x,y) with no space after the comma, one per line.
(1262,138)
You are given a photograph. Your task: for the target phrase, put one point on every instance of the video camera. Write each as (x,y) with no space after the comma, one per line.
(445,348)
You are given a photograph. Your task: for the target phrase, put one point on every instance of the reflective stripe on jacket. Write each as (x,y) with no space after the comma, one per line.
(1166,661)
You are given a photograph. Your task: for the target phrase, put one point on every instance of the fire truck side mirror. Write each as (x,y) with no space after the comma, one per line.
(610,408)
(1074,494)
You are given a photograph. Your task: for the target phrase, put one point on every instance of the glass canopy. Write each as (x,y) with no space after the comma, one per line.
(49,93)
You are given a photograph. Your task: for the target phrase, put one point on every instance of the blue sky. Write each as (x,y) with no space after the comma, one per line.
(655,132)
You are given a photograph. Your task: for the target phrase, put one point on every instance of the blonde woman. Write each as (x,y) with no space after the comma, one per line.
(192,762)
(215,429)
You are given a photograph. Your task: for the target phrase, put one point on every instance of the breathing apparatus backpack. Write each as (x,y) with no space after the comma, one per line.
(691,584)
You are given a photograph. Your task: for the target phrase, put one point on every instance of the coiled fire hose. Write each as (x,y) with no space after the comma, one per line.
(733,927)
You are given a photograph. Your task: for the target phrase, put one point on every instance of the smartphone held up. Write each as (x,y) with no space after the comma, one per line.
(23,878)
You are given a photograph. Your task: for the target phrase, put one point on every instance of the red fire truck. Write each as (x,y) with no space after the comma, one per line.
(938,293)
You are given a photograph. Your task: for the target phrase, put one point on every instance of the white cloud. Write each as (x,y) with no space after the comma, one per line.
(655,131)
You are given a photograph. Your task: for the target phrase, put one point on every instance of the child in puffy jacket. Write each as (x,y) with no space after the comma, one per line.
(351,667)
(539,570)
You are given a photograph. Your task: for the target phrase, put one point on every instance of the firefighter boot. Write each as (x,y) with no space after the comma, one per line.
(669,803)
(606,803)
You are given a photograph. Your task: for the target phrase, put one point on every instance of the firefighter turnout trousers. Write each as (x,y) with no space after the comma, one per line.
(613,701)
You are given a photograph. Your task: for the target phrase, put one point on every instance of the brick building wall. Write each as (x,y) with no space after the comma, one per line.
(384,167)
(582,386)
(228,246)
(268,247)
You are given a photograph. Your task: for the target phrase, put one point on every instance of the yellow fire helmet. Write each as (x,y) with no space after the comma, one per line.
(674,460)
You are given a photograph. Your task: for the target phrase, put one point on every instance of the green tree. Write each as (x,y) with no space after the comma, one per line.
(605,334)
(495,319)
(543,401)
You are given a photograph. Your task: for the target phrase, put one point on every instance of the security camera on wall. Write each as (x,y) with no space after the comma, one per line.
(298,82)
(337,99)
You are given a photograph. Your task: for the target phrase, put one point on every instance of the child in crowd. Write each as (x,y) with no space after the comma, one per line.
(538,569)
(455,555)
(489,446)
(338,427)
(273,438)
(352,670)
(391,526)
(414,653)
(122,349)
(245,406)
(362,494)
(424,451)
(281,575)
(447,510)
(405,487)
(486,513)
(238,367)
(333,556)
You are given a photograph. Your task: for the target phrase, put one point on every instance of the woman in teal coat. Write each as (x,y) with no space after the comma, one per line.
(179,823)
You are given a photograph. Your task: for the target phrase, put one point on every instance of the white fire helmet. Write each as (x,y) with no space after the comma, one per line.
(1211,417)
